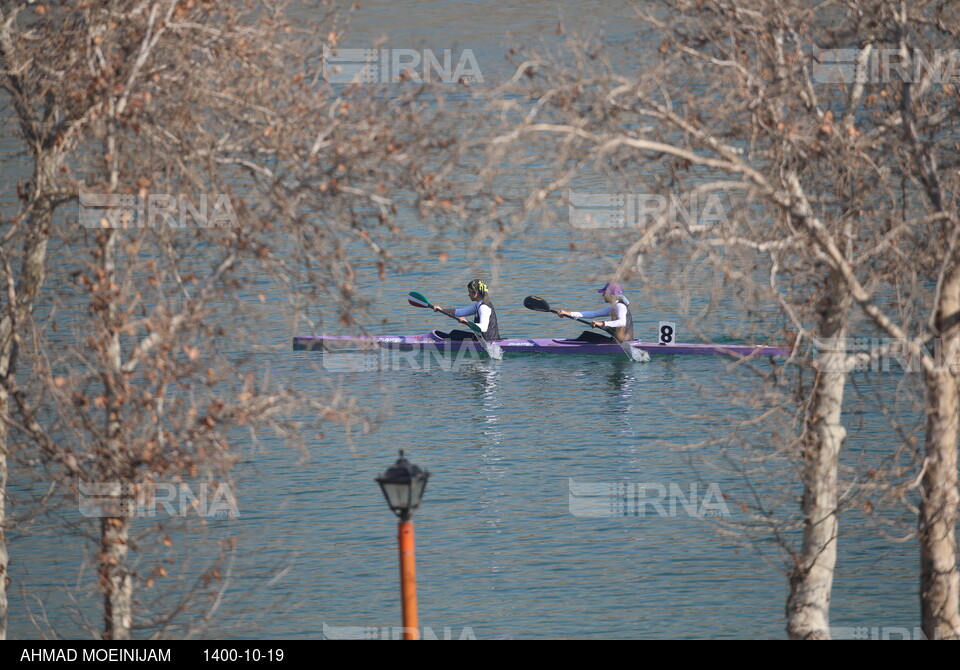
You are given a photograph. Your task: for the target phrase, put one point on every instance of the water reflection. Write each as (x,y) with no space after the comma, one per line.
(625,381)
(494,466)
(485,386)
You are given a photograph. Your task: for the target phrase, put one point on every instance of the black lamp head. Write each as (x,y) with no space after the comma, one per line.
(403,485)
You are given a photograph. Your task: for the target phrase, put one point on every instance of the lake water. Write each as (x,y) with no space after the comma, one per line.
(501,552)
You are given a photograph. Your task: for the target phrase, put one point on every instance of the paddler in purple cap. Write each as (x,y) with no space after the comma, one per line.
(620,325)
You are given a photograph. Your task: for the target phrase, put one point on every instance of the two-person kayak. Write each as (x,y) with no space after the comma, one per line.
(616,336)
(432,341)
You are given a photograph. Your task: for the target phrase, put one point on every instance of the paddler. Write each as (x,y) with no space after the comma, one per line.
(485,316)
(620,325)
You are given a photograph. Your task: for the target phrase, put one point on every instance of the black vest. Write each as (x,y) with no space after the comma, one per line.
(493,333)
(623,333)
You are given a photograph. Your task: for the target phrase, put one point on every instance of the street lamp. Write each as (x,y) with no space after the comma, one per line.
(403,485)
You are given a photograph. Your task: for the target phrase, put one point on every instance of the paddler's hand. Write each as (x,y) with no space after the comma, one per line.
(562,313)
(461,319)
(437,308)
(597,324)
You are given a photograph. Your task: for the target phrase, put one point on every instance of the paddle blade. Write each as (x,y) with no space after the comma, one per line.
(474,327)
(418,299)
(536,304)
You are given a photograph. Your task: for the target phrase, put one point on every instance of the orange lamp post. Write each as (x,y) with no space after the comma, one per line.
(403,485)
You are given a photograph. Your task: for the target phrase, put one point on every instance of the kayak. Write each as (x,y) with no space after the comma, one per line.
(433,342)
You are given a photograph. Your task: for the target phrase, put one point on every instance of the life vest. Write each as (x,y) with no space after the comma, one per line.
(493,332)
(623,333)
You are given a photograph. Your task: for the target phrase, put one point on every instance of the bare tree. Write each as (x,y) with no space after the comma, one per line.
(49,137)
(844,190)
(849,186)
(157,103)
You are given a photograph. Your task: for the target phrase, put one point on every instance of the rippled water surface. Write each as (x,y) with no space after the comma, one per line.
(499,553)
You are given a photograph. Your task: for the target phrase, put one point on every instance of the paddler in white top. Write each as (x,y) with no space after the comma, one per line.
(482,309)
(620,325)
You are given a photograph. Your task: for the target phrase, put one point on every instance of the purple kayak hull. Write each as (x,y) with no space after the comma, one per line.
(431,342)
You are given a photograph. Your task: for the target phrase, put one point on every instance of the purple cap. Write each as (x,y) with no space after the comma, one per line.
(613,288)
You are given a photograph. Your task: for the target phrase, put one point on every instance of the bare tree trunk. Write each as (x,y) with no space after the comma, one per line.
(115,571)
(936,528)
(811,580)
(115,578)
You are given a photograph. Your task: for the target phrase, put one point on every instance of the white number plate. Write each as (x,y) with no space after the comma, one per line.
(667,334)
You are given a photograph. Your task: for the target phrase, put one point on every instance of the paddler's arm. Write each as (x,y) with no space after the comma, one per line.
(621,319)
(587,315)
(606,311)
(591,315)
(459,313)
(450,312)
(466,311)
